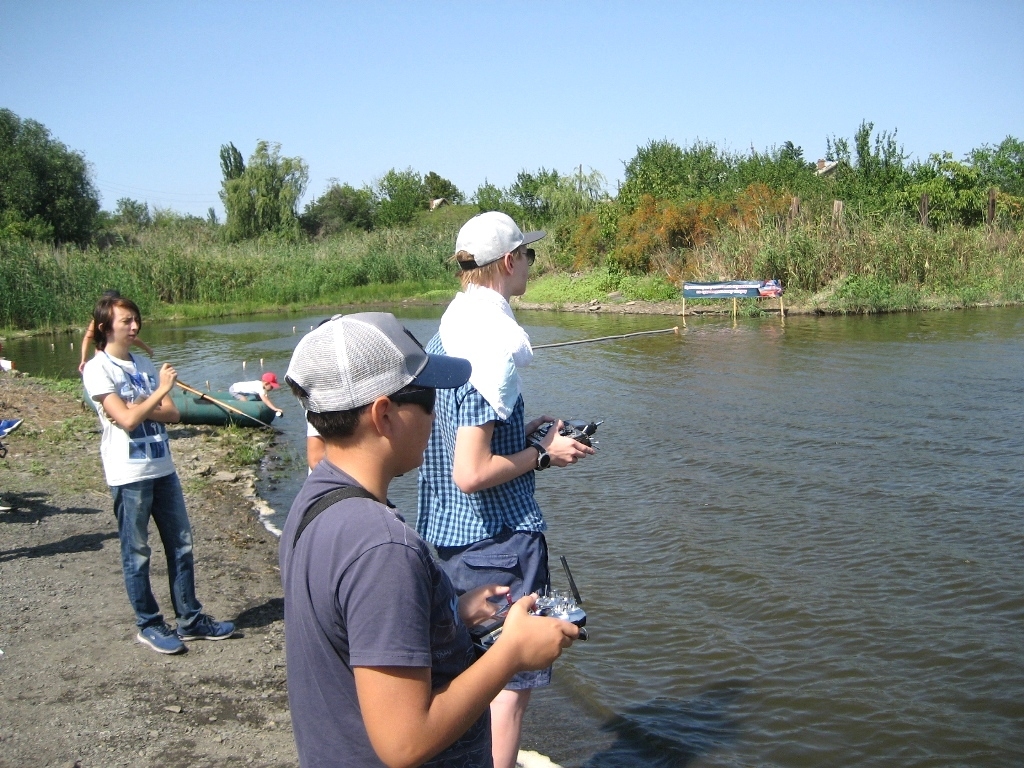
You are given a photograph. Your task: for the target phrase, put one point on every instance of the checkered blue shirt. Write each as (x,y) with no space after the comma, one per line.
(447,517)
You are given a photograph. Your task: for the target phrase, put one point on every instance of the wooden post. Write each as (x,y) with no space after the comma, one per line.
(684,310)
(837,213)
(734,303)
(990,219)
(782,310)
(794,209)
(923,210)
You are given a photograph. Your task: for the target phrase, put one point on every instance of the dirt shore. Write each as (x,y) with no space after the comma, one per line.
(77,689)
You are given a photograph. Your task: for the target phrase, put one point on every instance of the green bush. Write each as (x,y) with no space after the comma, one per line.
(399,195)
(45,189)
(1001,166)
(648,288)
(859,294)
(665,171)
(438,187)
(132,214)
(799,261)
(341,208)
(261,197)
(954,190)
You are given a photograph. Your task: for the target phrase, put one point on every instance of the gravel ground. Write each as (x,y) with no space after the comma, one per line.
(77,690)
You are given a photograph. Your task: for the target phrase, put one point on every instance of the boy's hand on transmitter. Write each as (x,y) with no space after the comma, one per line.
(533,426)
(535,641)
(475,607)
(563,450)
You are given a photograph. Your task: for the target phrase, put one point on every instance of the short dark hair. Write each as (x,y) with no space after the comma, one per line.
(103,315)
(332,424)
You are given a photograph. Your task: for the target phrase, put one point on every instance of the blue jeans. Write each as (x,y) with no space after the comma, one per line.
(161,499)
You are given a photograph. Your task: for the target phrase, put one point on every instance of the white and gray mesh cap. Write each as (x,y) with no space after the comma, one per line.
(351,360)
(489,236)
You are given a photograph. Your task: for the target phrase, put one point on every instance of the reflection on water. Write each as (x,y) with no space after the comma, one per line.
(829,512)
(672,733)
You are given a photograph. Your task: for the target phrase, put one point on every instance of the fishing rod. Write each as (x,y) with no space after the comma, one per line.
(674,329)
(225,406)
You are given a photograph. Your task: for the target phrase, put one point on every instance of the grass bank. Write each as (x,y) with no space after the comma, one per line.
(98,697)
(866,265)
(873,265)
(190,274)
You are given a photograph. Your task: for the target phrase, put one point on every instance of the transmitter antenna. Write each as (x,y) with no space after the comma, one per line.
(572,583)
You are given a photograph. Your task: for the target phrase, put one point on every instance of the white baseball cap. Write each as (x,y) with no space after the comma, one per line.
(489,236)
(352,360)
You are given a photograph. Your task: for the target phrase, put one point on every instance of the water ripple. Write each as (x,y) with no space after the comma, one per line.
(798,546)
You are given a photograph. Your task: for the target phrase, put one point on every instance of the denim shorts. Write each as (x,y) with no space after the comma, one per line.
(516,559)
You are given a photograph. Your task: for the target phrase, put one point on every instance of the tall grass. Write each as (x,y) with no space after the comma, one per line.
(42,286)
(871,264)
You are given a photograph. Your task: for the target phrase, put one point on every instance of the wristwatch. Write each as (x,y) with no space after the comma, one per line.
(543,459)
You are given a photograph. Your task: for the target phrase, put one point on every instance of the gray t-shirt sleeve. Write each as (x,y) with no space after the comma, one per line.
(385,601)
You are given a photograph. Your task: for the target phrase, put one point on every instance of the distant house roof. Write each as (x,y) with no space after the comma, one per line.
(826,167)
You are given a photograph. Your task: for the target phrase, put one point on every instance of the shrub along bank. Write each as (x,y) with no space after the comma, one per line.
(870,265)
(864,265)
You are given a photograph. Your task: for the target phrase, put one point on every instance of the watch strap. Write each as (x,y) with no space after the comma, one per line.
(541,456)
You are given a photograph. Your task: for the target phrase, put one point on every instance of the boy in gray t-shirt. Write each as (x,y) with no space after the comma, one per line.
(380,663)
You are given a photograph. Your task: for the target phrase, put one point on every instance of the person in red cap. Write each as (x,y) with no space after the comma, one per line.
(257,390)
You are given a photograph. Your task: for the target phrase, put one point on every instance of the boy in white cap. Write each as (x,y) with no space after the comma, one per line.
(381,668)
(476,486)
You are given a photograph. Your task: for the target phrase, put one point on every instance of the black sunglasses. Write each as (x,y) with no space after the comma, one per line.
(531,256)
(421,396)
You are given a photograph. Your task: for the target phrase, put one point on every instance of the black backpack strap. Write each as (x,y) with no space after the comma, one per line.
(329,500)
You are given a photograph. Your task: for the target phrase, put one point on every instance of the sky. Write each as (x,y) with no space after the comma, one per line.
(477,91)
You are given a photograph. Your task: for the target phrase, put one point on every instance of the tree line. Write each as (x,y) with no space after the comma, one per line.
(671,198)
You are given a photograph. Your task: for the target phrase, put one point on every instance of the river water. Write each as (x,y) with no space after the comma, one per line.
(798,545)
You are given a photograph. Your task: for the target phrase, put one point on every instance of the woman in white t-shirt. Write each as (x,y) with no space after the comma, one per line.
(133,402)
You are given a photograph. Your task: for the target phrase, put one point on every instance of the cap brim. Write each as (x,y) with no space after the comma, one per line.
(443,372)
(533,237)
